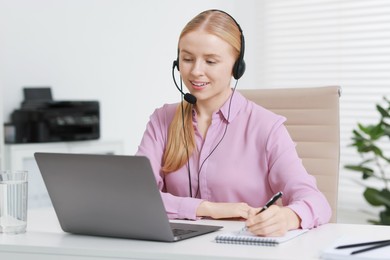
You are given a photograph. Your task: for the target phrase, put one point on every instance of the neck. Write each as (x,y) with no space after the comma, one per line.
(206,108)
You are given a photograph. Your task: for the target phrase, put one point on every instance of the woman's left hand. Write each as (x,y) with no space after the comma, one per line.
(274,221)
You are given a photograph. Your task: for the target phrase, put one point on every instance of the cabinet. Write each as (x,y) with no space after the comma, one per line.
(21,157)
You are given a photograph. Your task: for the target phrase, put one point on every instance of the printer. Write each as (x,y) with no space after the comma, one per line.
(42,119)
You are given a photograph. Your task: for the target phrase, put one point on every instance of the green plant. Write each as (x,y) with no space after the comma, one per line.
(367,140)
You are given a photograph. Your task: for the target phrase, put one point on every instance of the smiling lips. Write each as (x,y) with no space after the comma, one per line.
(199,85)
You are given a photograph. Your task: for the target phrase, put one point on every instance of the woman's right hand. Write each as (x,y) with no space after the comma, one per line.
(219,210)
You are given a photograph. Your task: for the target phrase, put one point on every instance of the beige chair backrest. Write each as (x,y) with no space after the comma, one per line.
(313,123)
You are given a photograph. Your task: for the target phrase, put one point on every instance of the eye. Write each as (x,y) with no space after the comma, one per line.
(187,59)
(211,62)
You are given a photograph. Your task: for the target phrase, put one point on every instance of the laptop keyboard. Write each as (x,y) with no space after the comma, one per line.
(180,232)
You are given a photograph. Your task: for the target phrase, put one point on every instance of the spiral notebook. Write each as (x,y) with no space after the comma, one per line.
(247,238)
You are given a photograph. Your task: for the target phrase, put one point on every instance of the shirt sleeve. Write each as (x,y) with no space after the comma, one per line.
(152,146)
(288,174)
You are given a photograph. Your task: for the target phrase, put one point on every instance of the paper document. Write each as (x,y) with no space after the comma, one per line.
(377,254)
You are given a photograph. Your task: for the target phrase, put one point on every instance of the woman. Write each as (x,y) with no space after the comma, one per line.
(224,156)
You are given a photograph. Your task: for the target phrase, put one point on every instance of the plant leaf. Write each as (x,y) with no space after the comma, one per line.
(367,172)
(384,217)
(358,168)
(382,111)
(385,158)
(367,161)
(375,222)
(376,132)
(365,129)
(386,130)
(377,150)
(376,197)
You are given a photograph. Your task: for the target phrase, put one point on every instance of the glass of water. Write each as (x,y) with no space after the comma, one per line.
(13,202)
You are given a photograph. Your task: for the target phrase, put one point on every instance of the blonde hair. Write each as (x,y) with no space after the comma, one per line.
(181,135)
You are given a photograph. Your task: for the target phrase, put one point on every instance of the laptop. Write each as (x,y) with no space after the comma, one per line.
(110,195)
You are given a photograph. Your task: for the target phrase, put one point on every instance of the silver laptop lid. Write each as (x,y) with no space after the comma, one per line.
(107,195)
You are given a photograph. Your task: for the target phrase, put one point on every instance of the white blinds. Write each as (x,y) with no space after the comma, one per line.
(304,43)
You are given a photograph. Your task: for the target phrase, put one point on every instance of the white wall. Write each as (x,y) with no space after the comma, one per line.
(118,52)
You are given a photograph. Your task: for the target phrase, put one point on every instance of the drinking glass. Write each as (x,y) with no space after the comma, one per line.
(13,202)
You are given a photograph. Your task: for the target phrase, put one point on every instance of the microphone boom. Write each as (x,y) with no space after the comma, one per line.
(187,96)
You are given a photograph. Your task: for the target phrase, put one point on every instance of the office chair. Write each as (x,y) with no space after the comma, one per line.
(313,123)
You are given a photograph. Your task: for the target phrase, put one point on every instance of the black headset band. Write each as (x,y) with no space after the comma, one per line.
(239,66)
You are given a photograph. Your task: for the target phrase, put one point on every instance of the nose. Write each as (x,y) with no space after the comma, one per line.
(197,68)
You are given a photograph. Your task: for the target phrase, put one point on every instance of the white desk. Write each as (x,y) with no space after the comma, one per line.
(45,240)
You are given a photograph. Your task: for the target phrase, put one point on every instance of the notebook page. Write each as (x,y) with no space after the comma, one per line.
(246,237)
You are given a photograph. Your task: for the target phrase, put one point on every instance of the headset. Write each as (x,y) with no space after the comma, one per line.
(238,68)
(239,65)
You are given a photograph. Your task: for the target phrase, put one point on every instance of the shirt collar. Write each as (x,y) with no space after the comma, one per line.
(237,101)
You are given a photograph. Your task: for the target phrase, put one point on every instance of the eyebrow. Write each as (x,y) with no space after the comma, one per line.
(212,55)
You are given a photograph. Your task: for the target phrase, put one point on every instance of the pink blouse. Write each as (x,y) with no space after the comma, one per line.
(255,159)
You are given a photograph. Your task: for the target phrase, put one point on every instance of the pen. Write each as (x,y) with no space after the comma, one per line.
(266,206)
(377,244)
(363,244)
(271,201)
(370,248)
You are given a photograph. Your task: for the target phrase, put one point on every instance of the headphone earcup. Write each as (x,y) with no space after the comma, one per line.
(239,68)
(176,64)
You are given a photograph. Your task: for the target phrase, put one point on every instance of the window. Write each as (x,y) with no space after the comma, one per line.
(306,43)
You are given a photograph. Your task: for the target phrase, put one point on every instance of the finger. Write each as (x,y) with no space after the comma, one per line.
(252,217)
(262,222)
(269,232)
(252,212)
(273,224)
(261,230)
(268,215)
(242,210)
